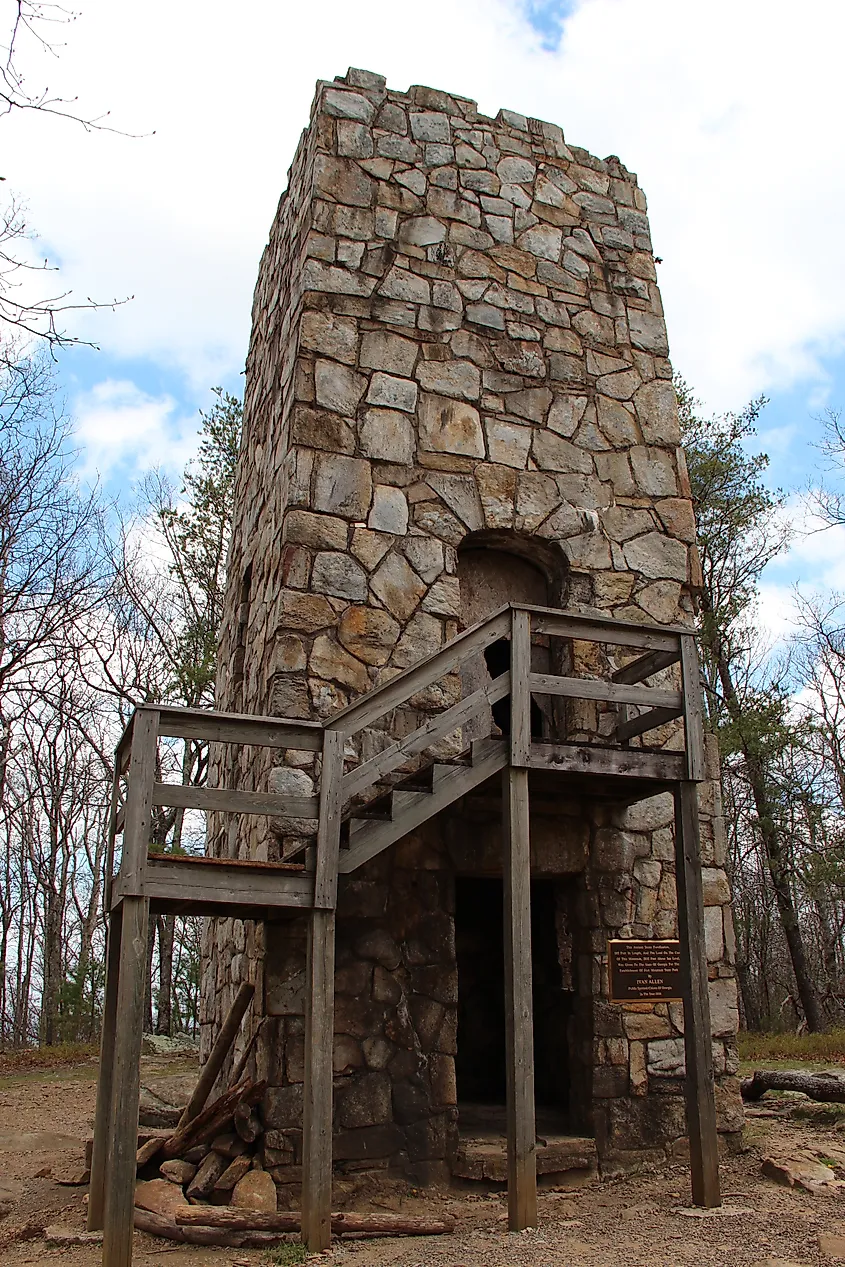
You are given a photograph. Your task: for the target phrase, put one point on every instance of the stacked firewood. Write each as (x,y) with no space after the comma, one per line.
(212,1161)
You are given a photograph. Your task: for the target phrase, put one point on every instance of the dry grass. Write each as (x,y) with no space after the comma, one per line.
(64,1055)
(822,1049)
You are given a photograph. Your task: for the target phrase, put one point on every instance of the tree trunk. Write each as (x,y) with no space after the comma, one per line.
(148,992)
(166,925)
(775,860)
(827,1087)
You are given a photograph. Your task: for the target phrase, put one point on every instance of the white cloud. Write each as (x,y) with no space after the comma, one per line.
(729,111)
(122,430)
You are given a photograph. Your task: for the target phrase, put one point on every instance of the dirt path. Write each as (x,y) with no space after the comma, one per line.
(631,1222)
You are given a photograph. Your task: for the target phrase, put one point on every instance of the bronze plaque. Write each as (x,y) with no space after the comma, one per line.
(644,971)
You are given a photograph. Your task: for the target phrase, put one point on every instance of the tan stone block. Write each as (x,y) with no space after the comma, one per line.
(398,586)
(341,180)
(637,1071)
(387,435)
(677,517)
(715,886)
(369,633)
(553,453)
(328,660)
(497,491)
(305,613)
(256,1191)
(460,379)
(646,1025)
(330,334)
(450,426)
(370,547)
(507,443)
(342,485)
(657,411)
(337,574)
(302,527)
(381,350)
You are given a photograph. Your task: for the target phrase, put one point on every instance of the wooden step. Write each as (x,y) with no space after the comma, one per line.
(412,809)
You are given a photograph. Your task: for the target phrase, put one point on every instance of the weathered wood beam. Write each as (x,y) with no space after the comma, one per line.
(261,732)
(633,763)
(125,1091)
(693,708)
(102,1118)
(643,722)
(522,1158)
(131,987)
(520,736)
(646,665)
(381,1224)
(317,1114)
(226,800)
(611,632)
(328,834)
(611,692)
(698,1048)
(192,880)
(828,1088)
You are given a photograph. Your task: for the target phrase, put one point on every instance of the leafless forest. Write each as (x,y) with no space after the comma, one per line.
(104,605)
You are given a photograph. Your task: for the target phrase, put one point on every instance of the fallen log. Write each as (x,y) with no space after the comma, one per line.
(219,1052)
(342,1222)
(156,1225)
(239,1068)
(827,1087)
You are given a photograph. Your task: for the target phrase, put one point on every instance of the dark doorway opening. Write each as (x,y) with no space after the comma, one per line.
(480,1061)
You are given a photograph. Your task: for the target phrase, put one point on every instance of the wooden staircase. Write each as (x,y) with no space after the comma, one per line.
(362,808)
(413,801)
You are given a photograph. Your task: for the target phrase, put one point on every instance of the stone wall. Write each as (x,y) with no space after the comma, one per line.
(457,335)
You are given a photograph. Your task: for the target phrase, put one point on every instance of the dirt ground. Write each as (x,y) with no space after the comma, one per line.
(45,1116)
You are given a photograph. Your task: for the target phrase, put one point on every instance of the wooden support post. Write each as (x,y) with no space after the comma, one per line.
(522,1157)
(126,1077)
(520,687)
(102,1119)
(693,708)
(131,985)
(700,1091)
(319,1008)
(328,832)
(317,1121)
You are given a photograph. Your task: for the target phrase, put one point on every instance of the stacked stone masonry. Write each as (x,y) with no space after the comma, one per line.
(458,339)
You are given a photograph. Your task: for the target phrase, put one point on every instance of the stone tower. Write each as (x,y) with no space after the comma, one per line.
(458,394)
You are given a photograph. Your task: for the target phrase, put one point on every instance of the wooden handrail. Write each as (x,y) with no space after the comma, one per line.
(442,724)
(363,712)
(662,645)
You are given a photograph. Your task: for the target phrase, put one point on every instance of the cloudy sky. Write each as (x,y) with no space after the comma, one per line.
(729,111)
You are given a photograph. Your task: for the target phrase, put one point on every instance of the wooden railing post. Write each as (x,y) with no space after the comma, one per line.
(520,739)
(693,708)
(516,870)
(319,1008)
(698,1048)
(130,960)
(519,1021)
